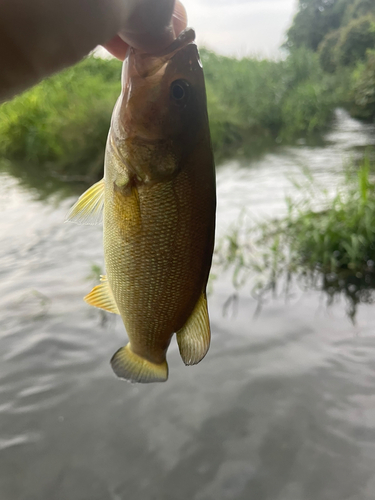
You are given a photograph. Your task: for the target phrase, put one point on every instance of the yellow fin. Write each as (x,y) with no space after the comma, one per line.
(128,365)
(194,337)
(88,210)
(101,296)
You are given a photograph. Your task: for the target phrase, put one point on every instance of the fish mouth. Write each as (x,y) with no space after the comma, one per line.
(144,65)
(184,38)
(142,83)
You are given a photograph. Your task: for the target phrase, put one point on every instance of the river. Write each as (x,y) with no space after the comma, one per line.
(282,407)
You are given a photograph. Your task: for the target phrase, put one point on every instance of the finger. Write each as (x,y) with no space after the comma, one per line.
(179,18)
(149,28)
(36,41)
(117,47)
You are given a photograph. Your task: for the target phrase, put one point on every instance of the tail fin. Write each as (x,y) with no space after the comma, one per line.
(128,365)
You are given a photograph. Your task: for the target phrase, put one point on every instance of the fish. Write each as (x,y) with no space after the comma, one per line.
(157,202)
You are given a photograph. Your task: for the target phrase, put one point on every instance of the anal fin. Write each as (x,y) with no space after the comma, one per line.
(194,337)
(89,207)
(101,296)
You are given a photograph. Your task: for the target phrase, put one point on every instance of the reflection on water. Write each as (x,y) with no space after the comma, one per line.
(261,197)
(282,408)
(358,289)
(45,182)
(263,185)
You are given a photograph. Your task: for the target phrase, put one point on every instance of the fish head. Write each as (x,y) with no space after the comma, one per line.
(162,106)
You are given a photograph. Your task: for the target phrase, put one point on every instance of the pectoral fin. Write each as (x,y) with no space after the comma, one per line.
(194,337)
(88,210)
(101,296)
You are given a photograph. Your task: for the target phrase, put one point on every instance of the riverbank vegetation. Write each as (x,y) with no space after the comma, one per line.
(253,104)
(342,34)
(60,126)
(324,242)
(62,123)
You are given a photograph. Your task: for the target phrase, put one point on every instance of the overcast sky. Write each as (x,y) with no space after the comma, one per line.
(241,27)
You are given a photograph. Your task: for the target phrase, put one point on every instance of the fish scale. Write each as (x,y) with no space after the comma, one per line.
(159,298)
(158,200)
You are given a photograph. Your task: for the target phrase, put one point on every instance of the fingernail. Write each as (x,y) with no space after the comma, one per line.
(179,18)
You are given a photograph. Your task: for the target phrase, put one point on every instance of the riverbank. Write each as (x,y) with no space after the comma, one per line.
(325,241)
(61,125)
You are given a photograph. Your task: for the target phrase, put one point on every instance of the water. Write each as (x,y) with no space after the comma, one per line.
(282,408)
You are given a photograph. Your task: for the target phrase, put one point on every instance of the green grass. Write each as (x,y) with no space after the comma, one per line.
(363,89)
(60,126)
(251,100)
(324,242)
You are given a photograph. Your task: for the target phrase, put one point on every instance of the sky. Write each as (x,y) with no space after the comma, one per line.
(241,27)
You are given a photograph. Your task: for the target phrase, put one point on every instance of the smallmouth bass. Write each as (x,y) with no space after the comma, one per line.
(157,200)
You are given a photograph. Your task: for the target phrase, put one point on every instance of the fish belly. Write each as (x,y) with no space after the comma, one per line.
(158,244)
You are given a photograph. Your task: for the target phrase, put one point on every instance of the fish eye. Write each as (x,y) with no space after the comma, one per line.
(180,91)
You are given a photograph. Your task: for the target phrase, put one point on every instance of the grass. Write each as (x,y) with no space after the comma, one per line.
(251,100)
(60,126)
(330,247)
(363,89)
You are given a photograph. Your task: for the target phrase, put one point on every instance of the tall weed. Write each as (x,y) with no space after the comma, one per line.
(331,247)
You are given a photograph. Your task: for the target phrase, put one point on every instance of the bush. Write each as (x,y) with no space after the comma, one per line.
(359,8)
(258,98)
(364,89)
(330,248)
(62,123)
(327,51)
(311,96)
(245,91)
(306,110)
(314,20)
(355,39)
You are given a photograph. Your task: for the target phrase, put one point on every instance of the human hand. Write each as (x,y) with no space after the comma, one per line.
(40,37)
(143,32)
